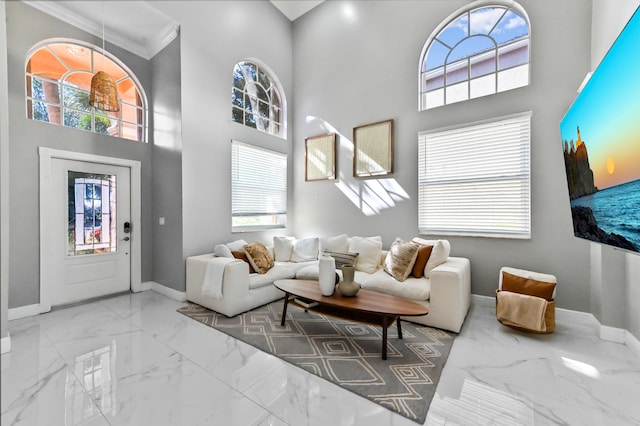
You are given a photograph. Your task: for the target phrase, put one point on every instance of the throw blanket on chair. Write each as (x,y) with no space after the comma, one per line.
(212,281)
(521,310)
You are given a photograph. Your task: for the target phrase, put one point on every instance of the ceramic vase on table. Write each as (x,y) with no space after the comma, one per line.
(327,275)
(348,287)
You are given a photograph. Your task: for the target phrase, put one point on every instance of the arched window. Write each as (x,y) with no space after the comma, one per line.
(257,99)
(58,81)
(478,51)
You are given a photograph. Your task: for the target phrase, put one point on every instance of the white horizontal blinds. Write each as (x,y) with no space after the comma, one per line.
(258,181)
(475,180)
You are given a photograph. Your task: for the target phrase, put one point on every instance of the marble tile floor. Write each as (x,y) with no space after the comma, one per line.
(133,360)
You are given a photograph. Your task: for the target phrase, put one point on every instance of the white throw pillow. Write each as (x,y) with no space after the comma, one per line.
(222,250)
(305,250)
(237,245)
(282,248)
(439,254)
(337,243)
(370,249)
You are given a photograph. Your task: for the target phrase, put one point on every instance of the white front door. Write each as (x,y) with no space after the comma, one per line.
(88,238)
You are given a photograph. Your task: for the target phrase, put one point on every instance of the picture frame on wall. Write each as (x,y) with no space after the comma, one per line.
(373,149)
(320,157)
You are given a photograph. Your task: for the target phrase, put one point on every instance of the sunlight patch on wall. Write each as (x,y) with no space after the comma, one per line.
(370,196)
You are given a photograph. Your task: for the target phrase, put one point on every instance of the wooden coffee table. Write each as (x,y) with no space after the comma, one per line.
(367,306)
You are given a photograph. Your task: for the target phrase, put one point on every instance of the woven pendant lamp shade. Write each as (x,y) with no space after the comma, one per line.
(104,94)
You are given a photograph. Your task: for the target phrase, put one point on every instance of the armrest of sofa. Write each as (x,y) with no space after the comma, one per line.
(235,281)
(450,293)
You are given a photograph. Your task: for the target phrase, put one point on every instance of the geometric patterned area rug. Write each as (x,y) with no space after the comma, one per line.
(346,353)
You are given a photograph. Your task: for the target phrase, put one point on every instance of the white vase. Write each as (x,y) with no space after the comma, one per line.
(327,275)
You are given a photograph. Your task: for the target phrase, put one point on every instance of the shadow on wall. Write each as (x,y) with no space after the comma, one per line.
(370,196)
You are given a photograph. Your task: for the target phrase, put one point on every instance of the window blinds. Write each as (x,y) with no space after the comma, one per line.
(258,181)
(475,180)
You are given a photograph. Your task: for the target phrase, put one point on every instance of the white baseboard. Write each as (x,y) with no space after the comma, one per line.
(609,334)
(5,344)
(180,296)
(146,285)
(633,343)
(577,317)
(485,301)
(612,334)
(23,312)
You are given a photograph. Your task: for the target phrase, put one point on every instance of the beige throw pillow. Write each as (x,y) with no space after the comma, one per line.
(342,258)
(400,259)
(259,257)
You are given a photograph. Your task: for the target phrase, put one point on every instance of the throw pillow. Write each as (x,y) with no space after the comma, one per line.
(424,252)
(259,257)
(237,245)
(305,250)
(369,249)
(529,286)
(338,243)
(400,259)
(241,255)
(221,250)
(342,258)
(439,253)
(282,248)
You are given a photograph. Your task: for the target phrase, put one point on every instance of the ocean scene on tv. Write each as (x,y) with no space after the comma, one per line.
(601,144)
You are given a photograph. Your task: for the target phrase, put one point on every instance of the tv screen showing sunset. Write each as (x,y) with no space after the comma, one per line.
(601,146)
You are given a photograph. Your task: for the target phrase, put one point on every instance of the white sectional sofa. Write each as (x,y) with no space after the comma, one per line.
(446,291)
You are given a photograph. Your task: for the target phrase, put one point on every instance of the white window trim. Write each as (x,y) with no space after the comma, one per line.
(62,82)
(283,98)
(455,212)
(277,209)
(454,15)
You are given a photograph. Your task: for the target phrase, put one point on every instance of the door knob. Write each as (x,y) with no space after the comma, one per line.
(125,239)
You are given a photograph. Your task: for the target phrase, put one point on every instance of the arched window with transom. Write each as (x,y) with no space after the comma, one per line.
(479,50)
(257,99)
(58,83)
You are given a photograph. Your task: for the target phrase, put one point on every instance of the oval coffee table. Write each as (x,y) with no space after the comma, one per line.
(367,306)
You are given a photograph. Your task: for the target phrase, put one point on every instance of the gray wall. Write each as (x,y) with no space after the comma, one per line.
(27,26)
(214,36)
(360,69)
(166,157)
(615,275)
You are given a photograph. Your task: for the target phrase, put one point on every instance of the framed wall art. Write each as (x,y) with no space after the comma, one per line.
(373,149)
(320,157)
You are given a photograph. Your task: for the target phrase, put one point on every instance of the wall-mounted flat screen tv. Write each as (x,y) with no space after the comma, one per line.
(601,144)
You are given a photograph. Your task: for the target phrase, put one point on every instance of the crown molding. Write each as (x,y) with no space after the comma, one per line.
(145,46)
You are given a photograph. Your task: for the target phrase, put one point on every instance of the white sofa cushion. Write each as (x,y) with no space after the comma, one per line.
(338,243)
(439,254)
(277,272)
(224,250)
(411,288)
(282,248)
(369,249)
(237,245)
(221,250)
(305,250)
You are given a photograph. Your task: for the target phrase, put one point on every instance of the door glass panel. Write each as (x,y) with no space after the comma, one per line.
(92,214)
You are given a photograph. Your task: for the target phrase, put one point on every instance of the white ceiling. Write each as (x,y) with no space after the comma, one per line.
(136,25)
(294,9)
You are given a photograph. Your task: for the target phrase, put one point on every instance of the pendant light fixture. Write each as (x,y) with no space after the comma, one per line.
(104,93)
